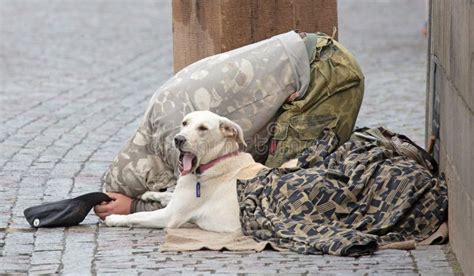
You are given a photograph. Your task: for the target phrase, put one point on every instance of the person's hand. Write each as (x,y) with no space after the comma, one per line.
(120,205)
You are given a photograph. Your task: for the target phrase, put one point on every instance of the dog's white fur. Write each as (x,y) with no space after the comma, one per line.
(208,136)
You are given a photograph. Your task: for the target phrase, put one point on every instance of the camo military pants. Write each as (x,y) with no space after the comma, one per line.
(332,101)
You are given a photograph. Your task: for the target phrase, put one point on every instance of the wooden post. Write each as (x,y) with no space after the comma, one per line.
(206,27)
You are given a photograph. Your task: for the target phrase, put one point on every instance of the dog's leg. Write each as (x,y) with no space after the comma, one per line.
(154,219)
(162,197)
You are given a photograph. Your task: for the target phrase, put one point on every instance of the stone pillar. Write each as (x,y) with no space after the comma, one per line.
(206,27)
(450,117)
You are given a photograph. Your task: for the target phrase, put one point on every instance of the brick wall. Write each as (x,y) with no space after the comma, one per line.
(450,115)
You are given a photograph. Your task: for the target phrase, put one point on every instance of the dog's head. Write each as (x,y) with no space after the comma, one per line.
(205,136)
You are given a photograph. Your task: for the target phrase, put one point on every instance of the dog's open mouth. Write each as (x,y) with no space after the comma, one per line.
(187,162)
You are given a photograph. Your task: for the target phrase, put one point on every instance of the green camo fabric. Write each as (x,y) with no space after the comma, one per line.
(332,101)
(375,189)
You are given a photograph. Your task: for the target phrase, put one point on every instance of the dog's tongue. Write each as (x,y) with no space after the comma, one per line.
(187,163)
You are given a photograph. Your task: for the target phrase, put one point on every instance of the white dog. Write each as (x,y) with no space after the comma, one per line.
(206,192)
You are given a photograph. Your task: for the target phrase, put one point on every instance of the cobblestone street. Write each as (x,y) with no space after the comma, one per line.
(75,80)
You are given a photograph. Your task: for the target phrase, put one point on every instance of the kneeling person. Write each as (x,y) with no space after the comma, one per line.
(283,92)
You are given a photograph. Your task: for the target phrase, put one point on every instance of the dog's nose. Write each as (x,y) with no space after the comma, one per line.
(179,141)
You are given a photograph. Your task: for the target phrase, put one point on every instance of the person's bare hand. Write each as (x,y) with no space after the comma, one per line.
(120,205)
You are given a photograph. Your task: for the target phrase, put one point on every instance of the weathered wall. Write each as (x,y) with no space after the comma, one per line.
(205,27)
(450,115)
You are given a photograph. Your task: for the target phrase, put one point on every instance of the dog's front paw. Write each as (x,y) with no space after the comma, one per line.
(162,197)
(149,196)
(117,220)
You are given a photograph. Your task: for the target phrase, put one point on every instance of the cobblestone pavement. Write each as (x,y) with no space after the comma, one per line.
(75,79)
(385,36)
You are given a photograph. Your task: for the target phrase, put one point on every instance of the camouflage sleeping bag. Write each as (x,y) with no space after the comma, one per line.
(377,188)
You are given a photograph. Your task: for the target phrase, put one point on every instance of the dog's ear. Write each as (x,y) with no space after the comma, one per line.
(231,129)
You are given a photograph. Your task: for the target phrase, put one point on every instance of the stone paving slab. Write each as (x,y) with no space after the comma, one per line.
(75,78)
(385,36)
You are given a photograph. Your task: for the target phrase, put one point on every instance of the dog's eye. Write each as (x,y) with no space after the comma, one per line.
(202,128)
(184,123)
